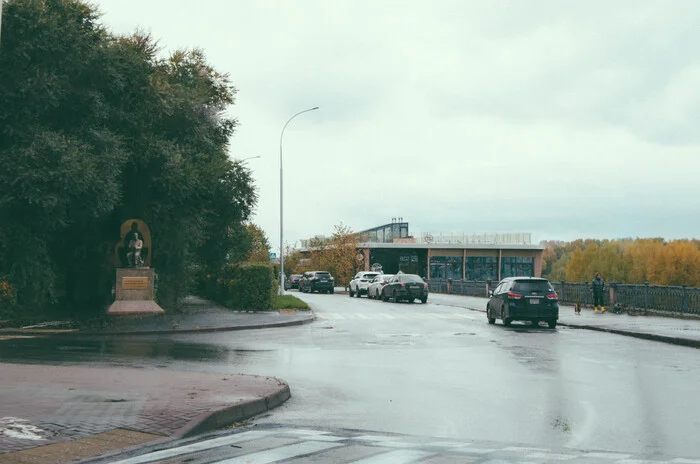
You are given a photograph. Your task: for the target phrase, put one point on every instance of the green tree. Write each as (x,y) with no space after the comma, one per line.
(339,256)
(97,129)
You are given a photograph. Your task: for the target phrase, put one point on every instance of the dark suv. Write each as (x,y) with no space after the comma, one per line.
(406,287)
(317,281)
(523,299)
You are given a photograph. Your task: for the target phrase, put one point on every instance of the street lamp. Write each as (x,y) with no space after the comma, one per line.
(281,292)
(248,158)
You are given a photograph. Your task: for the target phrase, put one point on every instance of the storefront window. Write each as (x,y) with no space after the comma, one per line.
(517,267)
(482,268)
(446,267)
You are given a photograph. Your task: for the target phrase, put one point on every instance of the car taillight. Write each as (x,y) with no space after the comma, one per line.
(514,296)
(383,283)
(553,296)
(403,284)
(425,286)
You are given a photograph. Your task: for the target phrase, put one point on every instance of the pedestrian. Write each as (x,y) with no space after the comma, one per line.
(598,286)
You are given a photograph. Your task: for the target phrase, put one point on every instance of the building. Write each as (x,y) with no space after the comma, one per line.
(449,256)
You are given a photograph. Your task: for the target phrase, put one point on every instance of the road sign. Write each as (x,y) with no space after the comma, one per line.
(273,256)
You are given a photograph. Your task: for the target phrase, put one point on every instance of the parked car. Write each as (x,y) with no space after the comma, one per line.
(523,299)
(377,284)
(406,287)
(360,283)
(292,282)
(317,281)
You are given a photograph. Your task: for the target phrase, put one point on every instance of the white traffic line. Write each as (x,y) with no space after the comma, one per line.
(194,447)
(283,452)
(395,457)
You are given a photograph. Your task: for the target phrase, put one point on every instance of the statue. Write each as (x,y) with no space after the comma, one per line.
(135,247)
(133,257)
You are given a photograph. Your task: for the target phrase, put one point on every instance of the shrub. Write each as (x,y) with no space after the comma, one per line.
(245,286)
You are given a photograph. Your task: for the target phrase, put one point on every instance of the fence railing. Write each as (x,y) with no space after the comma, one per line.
(677,299)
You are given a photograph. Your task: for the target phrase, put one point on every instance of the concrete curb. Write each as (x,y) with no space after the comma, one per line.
(162,332)
(645,336)
(227,415)
(628,333)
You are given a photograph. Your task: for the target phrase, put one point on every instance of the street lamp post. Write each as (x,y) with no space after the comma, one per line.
(246,159)
(281,292)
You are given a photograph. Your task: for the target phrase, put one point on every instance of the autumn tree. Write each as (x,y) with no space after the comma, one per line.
(339,255)
(258,245)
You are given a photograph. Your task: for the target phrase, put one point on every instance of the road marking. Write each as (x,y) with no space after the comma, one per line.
(283,452)
(551,456)
(606,455)
(362,316)
(395,457)
(204,445)
(15,427)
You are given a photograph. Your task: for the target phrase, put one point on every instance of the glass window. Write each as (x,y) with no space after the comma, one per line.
(446,267)
(482,268)
(527,286)
(388,237)
(517,267)
(410,278)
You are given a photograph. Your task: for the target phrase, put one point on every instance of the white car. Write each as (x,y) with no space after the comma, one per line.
(360,283)
(375,287)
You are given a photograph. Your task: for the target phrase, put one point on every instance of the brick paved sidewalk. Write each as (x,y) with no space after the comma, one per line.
(40,405)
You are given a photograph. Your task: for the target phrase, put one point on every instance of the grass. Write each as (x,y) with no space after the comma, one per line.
(289,302)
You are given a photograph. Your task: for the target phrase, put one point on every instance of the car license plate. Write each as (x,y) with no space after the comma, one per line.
(535,301)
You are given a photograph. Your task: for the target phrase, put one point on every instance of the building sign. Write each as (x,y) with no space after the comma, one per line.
(134,283)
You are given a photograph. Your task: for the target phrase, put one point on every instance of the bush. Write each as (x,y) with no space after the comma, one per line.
(245,286)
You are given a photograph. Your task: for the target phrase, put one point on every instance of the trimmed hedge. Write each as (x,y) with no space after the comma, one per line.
(245,286)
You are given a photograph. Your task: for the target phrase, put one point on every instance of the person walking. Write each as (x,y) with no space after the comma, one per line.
(598,286)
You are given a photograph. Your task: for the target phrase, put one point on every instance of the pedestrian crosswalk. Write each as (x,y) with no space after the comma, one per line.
(384,316)
(301,445)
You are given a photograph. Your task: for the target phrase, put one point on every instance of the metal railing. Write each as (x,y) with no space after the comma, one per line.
(675,299)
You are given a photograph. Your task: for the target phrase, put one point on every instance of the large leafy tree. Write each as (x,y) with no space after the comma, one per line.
(96,129)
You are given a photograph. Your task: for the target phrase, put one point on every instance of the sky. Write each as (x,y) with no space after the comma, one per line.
(562,118)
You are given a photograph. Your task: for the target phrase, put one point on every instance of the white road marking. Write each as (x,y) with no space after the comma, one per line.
(16,427)
(283,452)
(395,457)
(606,455)
(200,446)
(551,456)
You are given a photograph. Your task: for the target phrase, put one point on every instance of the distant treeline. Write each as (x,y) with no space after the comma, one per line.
(640,260)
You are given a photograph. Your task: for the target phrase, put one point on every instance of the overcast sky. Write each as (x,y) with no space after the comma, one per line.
(567,119)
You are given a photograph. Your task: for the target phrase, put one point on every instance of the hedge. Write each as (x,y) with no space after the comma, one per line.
(245,286)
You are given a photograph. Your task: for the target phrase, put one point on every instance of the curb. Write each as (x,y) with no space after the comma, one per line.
(644,336)
(227,415)
(164,332)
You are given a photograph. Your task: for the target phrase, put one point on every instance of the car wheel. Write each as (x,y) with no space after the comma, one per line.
(411,300)
(506,320)
(492,320)
(351,293)
(331,291)
(384,297)
(424,300)
(552,324)
(357,295)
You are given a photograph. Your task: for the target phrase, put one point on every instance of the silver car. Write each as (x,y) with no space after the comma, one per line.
(375,287)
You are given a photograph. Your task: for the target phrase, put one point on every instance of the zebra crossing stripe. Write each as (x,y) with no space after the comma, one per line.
(395,457)
(194,447)
(283,452)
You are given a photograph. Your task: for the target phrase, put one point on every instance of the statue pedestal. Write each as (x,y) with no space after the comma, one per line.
(135,292)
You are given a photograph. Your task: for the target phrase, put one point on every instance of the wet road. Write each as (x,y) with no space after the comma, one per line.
(438,370)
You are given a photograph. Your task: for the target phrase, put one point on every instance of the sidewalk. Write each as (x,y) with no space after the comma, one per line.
(197,315)
(53,414)
(685,332)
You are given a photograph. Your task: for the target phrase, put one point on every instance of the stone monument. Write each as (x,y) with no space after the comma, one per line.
(135,279)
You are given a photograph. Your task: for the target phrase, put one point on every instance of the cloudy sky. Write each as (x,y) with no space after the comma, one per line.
(566,119)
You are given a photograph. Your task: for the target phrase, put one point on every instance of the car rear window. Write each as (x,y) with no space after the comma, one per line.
(410,278)
(528,286)
(322,274)
(370,276)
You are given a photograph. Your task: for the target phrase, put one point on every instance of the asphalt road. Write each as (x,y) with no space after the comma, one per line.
(439,370)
